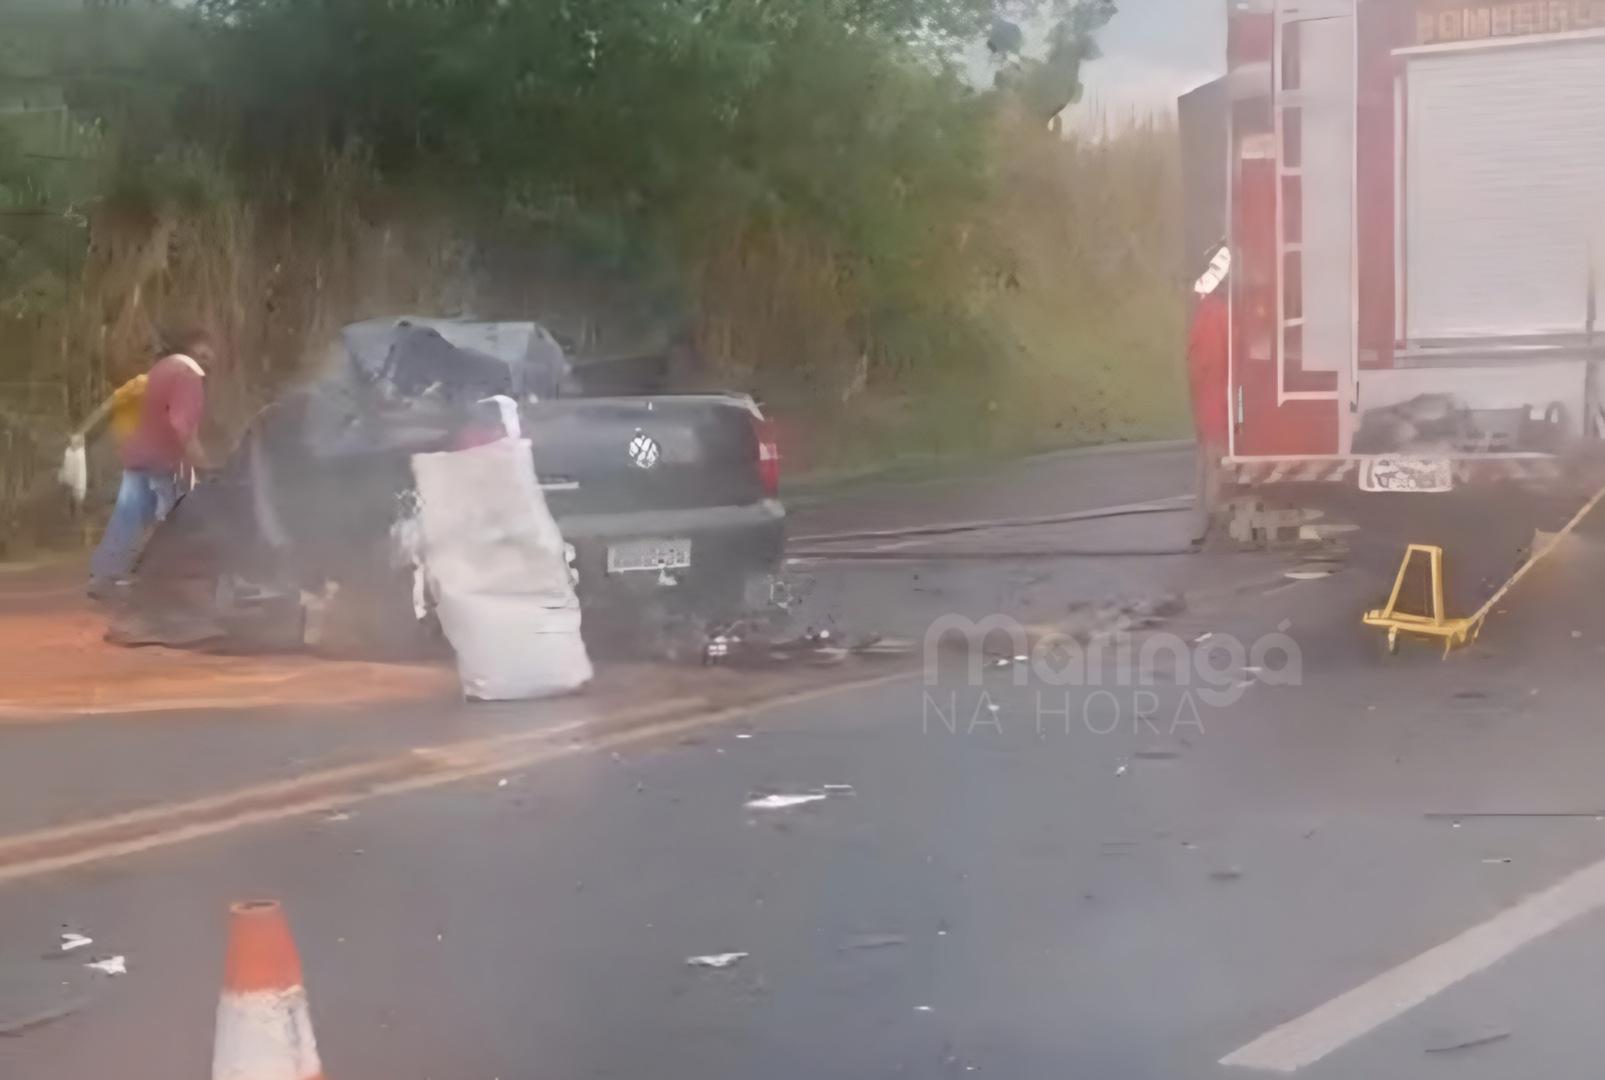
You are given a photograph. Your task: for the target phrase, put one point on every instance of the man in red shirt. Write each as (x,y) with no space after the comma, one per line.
(1207,345)
(162,447)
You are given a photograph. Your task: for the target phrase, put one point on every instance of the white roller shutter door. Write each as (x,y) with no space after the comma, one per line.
(1504,188)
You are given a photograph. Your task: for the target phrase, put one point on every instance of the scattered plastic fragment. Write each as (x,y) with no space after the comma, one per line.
(113,965)
(874,941)
(785,802)
(70,941)
(1122,770)
(716,960)
(922,1008)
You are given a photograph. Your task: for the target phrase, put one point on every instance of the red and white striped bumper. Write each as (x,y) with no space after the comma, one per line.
(1488,468)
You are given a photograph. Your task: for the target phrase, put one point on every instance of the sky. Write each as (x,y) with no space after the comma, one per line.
(1155,50)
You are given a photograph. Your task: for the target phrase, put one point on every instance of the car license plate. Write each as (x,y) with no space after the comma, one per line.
(648,555)
(1407,474)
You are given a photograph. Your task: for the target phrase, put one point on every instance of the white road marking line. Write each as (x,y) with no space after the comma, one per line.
(1347,1017)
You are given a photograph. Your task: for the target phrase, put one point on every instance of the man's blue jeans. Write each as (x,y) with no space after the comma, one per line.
(144,498)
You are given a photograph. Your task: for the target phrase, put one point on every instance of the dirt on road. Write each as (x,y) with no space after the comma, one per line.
(55,664)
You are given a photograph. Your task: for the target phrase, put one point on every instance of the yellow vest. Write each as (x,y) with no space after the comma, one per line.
(126,402)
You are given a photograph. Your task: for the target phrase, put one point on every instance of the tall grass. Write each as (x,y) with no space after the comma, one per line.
(1078,309)
(270,281)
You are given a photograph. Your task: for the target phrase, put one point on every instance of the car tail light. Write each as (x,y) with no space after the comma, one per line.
(768,456)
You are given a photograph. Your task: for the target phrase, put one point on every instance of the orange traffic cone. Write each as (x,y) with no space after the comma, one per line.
(264,1031)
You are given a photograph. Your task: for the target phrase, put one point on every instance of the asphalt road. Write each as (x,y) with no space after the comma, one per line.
(1058,483)
(1005,876)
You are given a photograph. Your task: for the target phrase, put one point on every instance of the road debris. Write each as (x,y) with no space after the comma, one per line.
(71,941)
(749,644)
(743,734)
(1483,1039)
(922,1008)
(873,941)
(1122,770)
(336,816)
(717,961)
(836,788)
(112,965)
(785,802)
(1496,862)
(10,1029)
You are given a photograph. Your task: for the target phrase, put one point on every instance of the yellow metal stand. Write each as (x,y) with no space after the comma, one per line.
(1460,631)
(1424,558)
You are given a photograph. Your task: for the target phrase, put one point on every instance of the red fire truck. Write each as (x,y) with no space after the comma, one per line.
(1412,193)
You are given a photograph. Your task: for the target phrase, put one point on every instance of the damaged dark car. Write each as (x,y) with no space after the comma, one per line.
(668,504)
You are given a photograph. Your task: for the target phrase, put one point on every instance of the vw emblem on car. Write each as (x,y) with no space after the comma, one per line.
(643,451)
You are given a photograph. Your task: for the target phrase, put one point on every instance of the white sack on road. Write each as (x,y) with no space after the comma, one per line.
(495,564)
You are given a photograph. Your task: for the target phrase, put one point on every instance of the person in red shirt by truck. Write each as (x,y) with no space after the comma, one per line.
(1207,343)
(156,455)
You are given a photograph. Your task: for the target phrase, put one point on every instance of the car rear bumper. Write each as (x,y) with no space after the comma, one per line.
(736,551)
